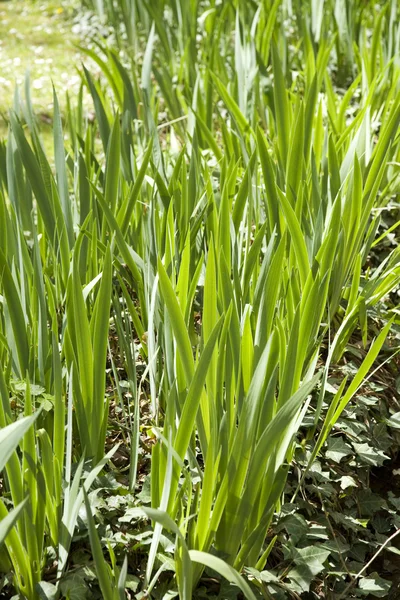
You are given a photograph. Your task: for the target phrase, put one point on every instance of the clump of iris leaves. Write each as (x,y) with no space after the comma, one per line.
(198,309)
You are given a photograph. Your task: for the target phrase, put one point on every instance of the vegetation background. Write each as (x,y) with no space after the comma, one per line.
(199,275)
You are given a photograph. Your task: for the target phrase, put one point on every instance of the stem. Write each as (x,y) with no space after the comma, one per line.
(344,594)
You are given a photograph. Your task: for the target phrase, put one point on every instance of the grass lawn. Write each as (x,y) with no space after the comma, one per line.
(38,38)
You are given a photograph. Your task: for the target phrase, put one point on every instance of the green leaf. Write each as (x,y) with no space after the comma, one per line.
(309,562)
(347,481)
(11,436)
(296,526)
(35,177)
(113,166)
(8,522)
(190,408)
(104,125)
(240,120)
(394,421)
(74,587)
(369,502)
(369,455)
(374,585)
(16,317)
(47,590)
(61,171)
(282,107)
(102,569)
(177,322)
(337,449)
(221,567)
(297,237)
(313,556)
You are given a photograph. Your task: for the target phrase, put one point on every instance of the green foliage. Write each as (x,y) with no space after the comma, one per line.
(186,280)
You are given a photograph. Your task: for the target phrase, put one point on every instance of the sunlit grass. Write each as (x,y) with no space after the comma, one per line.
(36,37)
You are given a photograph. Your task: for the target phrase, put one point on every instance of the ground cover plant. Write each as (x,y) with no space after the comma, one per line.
(199,308)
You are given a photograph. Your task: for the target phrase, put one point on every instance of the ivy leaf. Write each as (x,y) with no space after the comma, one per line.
(266,576)
(145,495)
(228,591)
(346,481)
(311,555)
(369,455)
(336,547)
(349,522)
(316,531)
(46,590)
(300,578)
(370,502)
(374,585)
(354,428)
(337,449)
(36,390)
(394,421)
(170,594)
(393,500)
(296,526)
(74,587)
(382,525)
(309,562)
